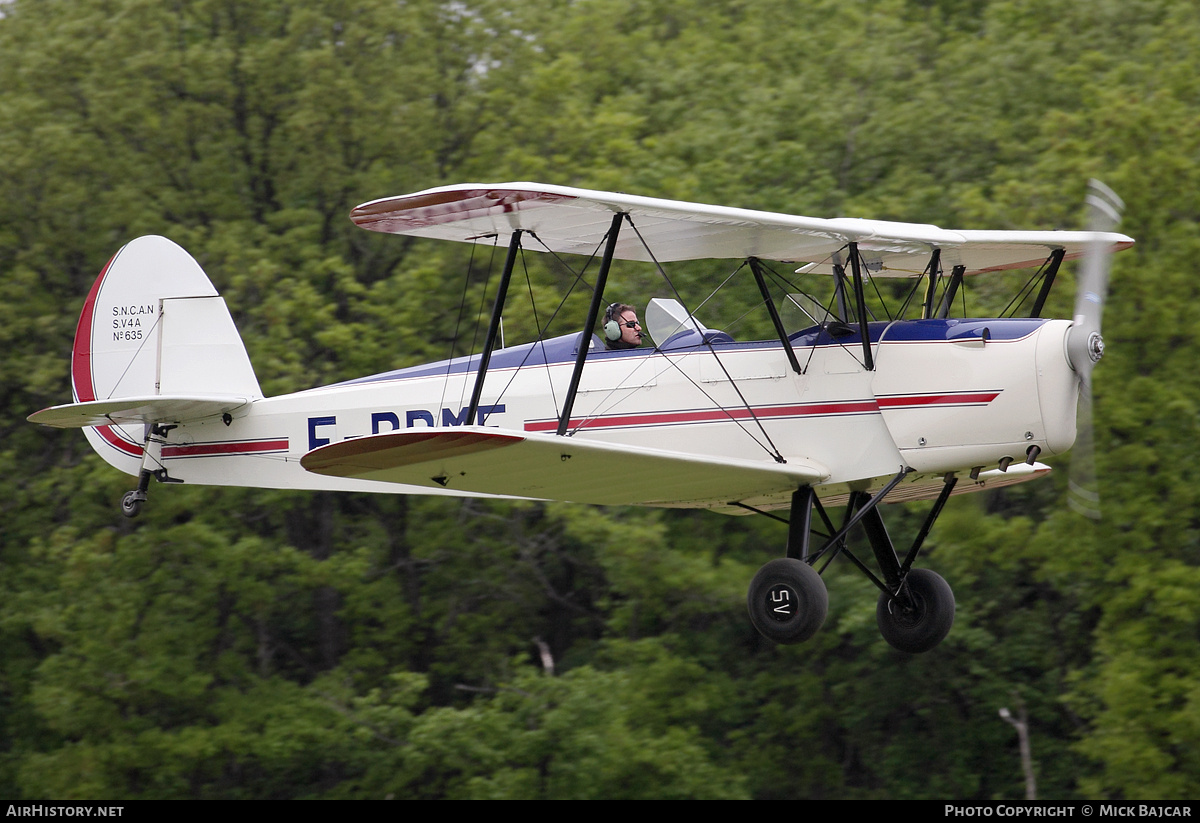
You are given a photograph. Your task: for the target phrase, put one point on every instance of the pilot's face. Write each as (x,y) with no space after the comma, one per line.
(631,329)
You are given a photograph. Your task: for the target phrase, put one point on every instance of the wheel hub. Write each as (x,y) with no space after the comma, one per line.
(907,608)
(782,603)
(787,601)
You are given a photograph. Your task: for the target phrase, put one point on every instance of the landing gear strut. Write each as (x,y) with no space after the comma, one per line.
(156,435)
(788,600)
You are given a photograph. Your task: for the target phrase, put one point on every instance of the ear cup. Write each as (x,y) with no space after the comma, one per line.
(612,328)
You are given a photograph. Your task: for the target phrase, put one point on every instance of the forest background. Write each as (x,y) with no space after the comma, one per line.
(258,644)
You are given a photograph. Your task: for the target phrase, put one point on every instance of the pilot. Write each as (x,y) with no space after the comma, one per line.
(621,327)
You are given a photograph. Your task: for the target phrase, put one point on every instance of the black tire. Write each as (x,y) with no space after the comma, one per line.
(787,601)
(921,616)
(131,505)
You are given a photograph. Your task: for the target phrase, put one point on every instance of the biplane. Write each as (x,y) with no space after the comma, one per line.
(842,408)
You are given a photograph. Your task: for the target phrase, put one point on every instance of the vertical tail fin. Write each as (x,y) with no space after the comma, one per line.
(153,325)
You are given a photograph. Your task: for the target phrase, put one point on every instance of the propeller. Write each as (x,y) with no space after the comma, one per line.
(1085,345)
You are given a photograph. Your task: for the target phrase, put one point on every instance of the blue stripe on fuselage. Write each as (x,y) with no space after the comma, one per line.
(562,349)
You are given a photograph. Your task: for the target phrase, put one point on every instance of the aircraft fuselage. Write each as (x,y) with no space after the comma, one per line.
(944,395)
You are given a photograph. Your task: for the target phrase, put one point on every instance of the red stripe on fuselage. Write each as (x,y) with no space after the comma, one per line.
(941,399)
(225,449)
(675,418)
(772,412)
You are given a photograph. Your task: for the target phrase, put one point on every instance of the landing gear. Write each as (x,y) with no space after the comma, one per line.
(131,503)
(787,601)
(156,435)
(787,598)
(920,615)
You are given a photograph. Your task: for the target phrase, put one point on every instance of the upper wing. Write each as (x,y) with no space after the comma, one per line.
(566,219)
(492,461)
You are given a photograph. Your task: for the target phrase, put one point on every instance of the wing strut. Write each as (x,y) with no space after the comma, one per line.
(839,289)
(756,268)
(860,301)
(935,268)
(593,313)
(1056,258)
(514,245)
(956,278)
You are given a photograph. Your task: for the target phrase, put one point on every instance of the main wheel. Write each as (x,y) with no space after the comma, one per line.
(787,601)
(920,617)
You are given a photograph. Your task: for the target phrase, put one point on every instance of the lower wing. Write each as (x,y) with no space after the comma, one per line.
(494,461)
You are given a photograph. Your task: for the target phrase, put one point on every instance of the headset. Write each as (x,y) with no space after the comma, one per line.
(612,326)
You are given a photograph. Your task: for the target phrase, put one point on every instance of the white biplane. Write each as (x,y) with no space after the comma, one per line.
(843,410)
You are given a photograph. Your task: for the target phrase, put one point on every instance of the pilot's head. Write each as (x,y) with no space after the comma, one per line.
(621,327)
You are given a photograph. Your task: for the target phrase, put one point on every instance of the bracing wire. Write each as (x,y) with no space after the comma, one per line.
(542,329)
(878,294)
(133,357)
(480,311)
(1026,289)
(913,291)
(462,307)
(773,450)
(789,285)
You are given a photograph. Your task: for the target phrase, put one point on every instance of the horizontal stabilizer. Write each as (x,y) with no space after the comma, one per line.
(523,464)
(154,408)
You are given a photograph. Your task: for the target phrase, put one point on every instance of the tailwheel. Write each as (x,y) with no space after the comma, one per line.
(920,615)
(131,503)
(787,601)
